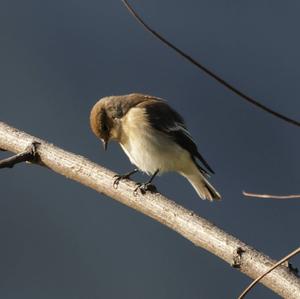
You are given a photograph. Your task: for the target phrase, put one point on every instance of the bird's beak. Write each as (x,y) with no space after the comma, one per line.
(104,141)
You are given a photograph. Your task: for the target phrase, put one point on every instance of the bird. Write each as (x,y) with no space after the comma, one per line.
(154,137)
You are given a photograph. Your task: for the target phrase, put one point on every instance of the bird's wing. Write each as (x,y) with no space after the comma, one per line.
(164,119)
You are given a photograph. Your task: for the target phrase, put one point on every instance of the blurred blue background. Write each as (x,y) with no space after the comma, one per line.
(62,240)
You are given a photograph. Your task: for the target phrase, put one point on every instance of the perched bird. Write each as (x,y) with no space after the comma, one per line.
(153,136)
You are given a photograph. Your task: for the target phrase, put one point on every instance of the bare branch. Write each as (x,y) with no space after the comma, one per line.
(271,196)
(289,256)
(194,228)
(29,155)
(207,71)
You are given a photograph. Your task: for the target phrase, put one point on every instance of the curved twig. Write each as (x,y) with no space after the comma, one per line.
(196,229)
(207,71)
(289,256)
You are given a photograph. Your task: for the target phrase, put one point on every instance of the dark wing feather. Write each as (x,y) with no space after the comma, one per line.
(163,118)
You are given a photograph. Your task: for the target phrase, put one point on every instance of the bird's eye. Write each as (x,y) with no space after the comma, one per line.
(118,113)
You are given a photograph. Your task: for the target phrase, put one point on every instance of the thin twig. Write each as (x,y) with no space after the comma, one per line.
(29,155)
(257,195)
(187,223)
(289,256)
(207,71)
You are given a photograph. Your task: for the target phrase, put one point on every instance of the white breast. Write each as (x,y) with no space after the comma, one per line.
(148,148)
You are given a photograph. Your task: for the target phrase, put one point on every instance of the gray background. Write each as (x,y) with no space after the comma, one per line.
(62,240)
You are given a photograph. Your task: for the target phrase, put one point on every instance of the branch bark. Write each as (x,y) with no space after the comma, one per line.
(196,229)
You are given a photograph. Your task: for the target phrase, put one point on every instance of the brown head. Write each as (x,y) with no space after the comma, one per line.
(106,115)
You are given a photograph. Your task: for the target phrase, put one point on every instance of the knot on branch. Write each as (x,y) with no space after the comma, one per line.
(293,269)
(237,257)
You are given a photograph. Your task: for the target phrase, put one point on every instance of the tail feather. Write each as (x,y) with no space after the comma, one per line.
(202,186)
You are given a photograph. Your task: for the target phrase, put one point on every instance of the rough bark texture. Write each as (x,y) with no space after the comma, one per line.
(191,226)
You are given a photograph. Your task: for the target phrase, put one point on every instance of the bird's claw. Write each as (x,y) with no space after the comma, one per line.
(144,187)
(119,178)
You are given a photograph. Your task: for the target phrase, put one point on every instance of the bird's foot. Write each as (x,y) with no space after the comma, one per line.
(143,188)
(120,177)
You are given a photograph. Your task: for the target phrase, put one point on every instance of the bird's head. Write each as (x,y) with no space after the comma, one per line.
(101,121)
(105,117)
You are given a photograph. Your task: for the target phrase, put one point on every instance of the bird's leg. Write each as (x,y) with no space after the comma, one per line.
(143,187)
(125,176)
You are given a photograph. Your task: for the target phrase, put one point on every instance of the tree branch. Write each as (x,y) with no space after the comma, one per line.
(29,155)
(196,229)
(213,75)
(257,195)
(286,258)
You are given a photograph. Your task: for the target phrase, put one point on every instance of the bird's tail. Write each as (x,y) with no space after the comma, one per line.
(202,186)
